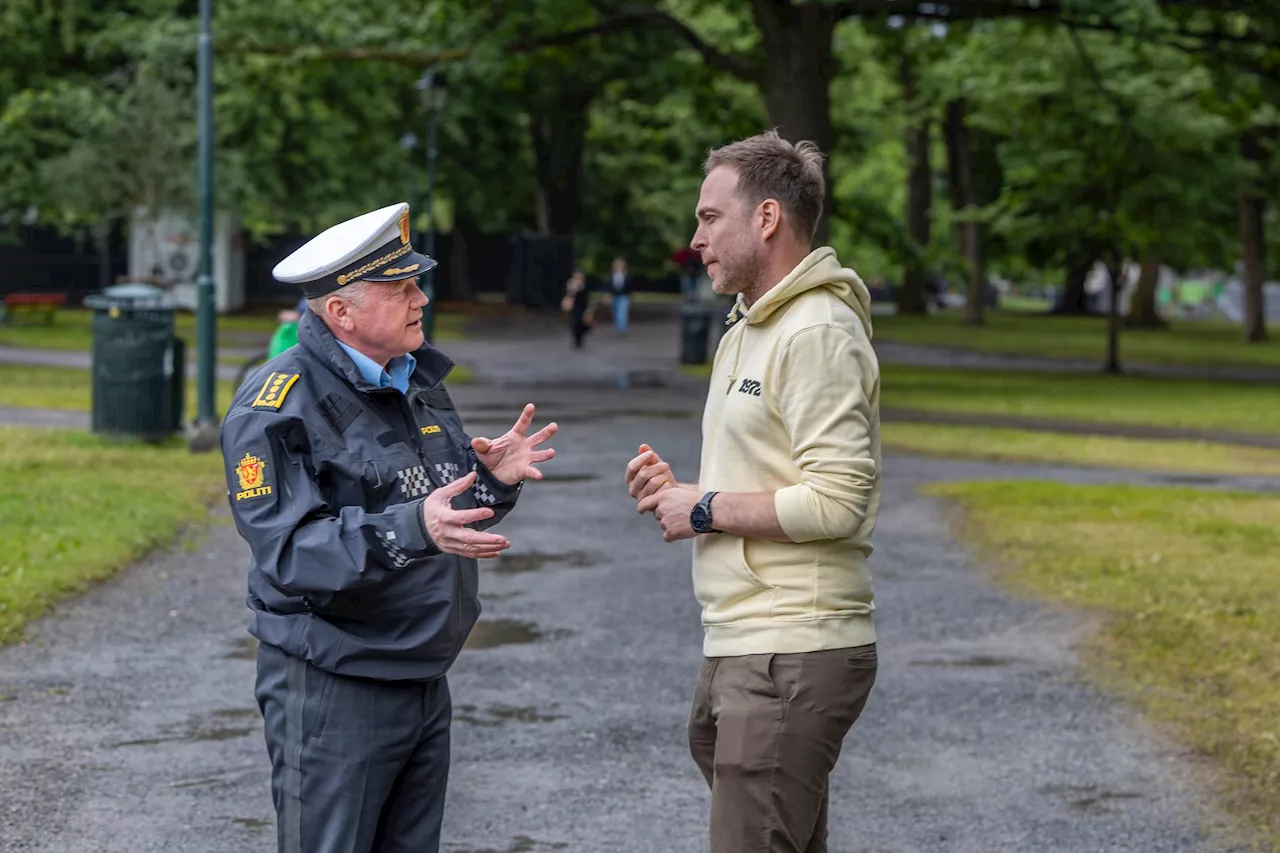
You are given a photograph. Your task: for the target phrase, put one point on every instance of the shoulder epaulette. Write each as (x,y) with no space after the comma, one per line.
(274,390)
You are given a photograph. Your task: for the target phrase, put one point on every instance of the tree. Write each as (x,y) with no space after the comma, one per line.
(98,129)
(1107,145)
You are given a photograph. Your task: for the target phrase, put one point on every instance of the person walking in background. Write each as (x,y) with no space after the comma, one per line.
(577,304)
(620,293)
(690,263)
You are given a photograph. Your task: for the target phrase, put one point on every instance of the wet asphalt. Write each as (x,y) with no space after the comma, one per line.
(127,721)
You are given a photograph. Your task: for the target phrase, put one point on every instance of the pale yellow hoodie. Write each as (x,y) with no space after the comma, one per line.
(793,408)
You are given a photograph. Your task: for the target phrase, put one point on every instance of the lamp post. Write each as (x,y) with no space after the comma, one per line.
(206,323)
(433,98)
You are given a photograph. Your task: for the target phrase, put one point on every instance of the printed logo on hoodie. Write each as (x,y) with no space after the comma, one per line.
(750,386)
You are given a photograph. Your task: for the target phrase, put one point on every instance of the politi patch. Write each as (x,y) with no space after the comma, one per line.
(252,472)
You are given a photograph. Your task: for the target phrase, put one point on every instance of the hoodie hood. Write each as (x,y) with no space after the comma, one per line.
(820,269)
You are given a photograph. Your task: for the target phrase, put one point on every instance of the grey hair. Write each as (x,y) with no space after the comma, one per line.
(357,294)
(769,166)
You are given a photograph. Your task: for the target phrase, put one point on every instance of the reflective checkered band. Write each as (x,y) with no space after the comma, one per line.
(399,558)
(414,481)
(448,471)
(484,496)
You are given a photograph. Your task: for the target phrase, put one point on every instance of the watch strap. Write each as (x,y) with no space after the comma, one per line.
(705,503)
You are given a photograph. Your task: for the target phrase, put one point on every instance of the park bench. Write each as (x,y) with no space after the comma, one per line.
(42,306)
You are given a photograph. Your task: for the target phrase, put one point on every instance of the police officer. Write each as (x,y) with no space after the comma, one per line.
(365,506)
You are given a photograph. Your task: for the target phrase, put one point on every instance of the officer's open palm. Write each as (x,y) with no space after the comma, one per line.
(447,526)
(511,457)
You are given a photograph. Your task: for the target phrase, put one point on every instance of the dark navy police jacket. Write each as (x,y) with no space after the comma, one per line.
(326,476)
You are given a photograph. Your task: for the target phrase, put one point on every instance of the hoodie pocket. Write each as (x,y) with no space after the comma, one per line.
(744,568)
(722,577)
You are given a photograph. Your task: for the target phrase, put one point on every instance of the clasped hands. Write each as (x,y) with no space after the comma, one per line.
(656,490)
(511,458)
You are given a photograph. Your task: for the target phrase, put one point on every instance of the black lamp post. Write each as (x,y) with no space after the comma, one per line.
(433,93)
(206,324)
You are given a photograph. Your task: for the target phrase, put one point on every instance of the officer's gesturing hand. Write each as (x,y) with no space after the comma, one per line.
(447,526)
(511,456)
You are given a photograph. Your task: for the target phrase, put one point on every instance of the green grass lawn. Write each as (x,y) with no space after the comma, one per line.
(73,331)
(1189,404)
(1015,445)
(1187,588)
(73,509)
(1021,333)
(70,389)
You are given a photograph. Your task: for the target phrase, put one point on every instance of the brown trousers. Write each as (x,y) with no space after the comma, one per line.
(766,731)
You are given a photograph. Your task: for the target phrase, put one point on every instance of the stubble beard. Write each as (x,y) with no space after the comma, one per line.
(742,278)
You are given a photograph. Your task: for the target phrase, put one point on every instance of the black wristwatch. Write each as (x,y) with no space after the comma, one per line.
(700,517)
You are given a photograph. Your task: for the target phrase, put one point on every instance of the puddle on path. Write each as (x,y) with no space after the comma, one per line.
(519,844)
(197,783)
(497,715)
(253,822)
(514,564)
(1089,797)
(973,660)
(245,648)
(221,724)
(488,634)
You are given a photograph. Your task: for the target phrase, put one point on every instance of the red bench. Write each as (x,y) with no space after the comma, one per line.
(41,305)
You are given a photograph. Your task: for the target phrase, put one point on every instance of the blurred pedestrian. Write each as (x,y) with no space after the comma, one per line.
(620,294)
(577,304)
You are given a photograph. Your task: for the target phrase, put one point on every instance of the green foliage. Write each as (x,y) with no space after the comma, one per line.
(1107,143)
(602,132)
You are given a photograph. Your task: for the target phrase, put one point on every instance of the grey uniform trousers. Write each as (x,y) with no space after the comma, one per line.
(357,766)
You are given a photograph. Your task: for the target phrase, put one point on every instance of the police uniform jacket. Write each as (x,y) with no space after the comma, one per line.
(326,478)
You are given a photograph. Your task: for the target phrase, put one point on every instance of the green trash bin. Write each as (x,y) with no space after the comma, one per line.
(695,328)
(139,369)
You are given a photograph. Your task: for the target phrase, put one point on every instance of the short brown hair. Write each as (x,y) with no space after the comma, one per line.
(769,166)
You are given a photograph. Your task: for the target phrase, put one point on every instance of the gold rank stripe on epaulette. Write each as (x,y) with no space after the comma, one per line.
(274,390)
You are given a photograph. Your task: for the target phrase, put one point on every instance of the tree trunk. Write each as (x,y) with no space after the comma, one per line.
(1115,270)
(1142,308)
(558,137)
(460,258)
(964,198)
(1252,208)
(102,237)
(1074,300)
(911,296)
(796,81)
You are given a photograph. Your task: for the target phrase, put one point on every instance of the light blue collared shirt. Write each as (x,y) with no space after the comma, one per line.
(396,374)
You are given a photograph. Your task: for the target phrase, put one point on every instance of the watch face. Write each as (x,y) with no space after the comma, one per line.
(698,518)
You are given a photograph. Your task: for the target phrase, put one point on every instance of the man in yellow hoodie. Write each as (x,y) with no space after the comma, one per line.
(784,506)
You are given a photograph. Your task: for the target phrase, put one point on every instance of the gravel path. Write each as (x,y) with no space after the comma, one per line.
(128,721)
